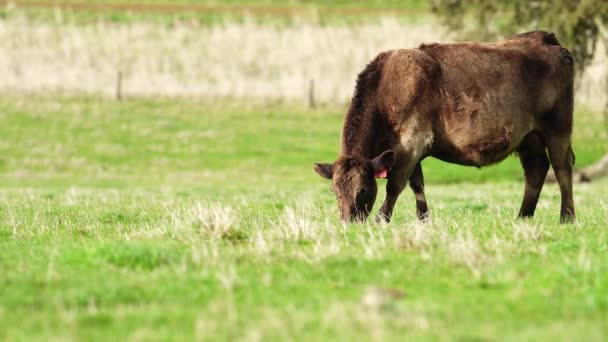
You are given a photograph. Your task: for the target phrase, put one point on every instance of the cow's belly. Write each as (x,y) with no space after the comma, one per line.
(474,156)
(479,145)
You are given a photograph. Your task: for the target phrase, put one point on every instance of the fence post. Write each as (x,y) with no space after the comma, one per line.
(119,86)
(311,94)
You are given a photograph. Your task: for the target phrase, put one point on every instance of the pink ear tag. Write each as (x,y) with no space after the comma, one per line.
(381,173)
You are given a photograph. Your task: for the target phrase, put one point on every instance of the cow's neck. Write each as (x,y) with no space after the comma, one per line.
(364,134)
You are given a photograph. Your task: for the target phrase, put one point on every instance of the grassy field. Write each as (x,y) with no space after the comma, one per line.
(233,59)
(191,211)
(366,4)
(183,219)
(211,12)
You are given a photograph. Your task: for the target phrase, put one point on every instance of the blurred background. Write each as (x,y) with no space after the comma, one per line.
(188,70)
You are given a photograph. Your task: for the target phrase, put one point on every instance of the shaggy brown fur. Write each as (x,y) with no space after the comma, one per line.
(470,104)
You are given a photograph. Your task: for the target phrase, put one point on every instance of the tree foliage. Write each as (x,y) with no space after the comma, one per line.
(578,24)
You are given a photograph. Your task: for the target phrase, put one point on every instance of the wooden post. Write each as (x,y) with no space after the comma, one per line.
(119,86)
(311,94)
(606,103)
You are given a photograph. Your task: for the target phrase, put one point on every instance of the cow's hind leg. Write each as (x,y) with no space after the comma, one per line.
(562,160)
(417,186)
(558,131)
(533,158)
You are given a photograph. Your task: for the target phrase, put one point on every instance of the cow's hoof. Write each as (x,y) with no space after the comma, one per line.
(566,219)
(382,218)
(424,217)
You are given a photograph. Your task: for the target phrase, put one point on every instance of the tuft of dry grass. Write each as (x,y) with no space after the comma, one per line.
(296,225)
(525,231)
(215,220)
(464,249)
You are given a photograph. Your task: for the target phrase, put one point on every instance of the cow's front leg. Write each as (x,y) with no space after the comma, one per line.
(397,180)
(417,185)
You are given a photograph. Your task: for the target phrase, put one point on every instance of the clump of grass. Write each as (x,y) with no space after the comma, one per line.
(415,236)
(526,231)
(213,221)
(464,249)
(296,225)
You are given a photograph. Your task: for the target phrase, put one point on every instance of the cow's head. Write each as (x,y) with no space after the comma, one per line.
(354,182)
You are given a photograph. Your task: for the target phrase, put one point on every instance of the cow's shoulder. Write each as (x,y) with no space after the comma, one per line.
(431,49)
(412,63)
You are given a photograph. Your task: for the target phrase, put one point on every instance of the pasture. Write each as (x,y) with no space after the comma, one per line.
(158,219)
(190,209)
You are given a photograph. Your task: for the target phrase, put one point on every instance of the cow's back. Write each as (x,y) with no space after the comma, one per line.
(524,72)
(490,95)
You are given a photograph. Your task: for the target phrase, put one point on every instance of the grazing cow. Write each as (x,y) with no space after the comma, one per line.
(469,104)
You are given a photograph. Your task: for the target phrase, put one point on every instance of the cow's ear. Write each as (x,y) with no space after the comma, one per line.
(384,163)
(324,170)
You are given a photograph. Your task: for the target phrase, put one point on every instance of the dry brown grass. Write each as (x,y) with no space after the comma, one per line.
(234,60)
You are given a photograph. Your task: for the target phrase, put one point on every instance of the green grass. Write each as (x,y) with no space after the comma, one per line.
(181,219)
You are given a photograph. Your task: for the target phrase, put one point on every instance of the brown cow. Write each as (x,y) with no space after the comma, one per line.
(469,104)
